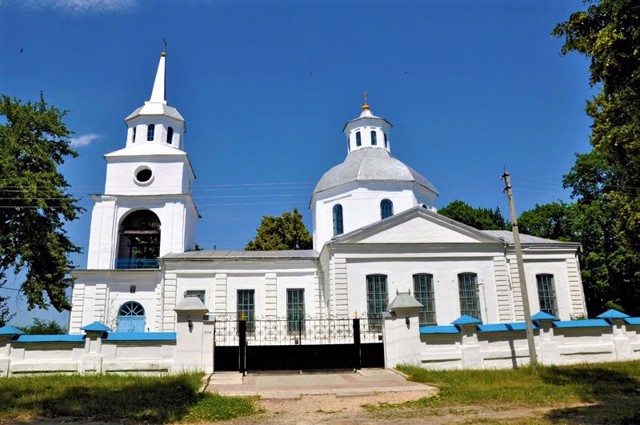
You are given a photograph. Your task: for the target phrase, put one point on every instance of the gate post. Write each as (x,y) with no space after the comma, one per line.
(242,343)
(357,358)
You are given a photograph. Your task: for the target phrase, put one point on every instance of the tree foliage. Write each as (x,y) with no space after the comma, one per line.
(5,313)
(605,182)
(43,327)
(480,218)
(552,221)
(35,203)
(281,233)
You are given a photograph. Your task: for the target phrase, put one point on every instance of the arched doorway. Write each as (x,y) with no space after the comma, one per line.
(131,317)
(139,241)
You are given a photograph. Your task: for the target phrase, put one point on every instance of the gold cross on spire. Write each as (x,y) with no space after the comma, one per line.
(164,46)
(364,98)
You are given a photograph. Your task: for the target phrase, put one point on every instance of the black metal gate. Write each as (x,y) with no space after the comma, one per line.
(305,344)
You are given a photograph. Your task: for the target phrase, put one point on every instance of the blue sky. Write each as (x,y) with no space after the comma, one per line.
(266,85)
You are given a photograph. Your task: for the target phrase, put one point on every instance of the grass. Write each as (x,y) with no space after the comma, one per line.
(116,398)
(587,393)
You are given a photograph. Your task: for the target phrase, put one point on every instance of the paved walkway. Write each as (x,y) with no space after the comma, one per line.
(294,385)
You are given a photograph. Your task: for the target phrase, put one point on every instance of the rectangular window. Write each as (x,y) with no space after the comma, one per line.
(247,307)
(196,294)
(386,142)
(358,139)
(295,310)
(424,293)
(374,138)
(377,300)
(547,294)
(469,300)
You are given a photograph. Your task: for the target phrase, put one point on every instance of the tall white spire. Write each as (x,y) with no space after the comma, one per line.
(158,94)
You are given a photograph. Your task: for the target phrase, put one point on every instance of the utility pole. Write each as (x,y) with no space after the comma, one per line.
(533,358)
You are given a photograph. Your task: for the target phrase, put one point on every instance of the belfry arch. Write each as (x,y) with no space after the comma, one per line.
(139,241)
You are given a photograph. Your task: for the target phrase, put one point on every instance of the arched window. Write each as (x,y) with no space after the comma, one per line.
(468,291)
(386,208)
(139,241)
(358,139)
(170,135)
(131,317)
(151,128)
(134,135)
(386,142)
(374,138)
(547,294)
(338,229)
(424,293)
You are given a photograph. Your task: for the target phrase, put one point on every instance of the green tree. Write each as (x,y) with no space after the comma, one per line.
(35,203)
(480,218)
(605,182)
(608,33)
(281,233)
(5,313)
(43,327)
(552,221)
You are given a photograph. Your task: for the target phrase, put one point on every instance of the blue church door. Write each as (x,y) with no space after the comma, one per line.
(131,317)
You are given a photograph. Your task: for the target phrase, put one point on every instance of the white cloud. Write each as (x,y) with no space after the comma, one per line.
(85,140)
(75,6)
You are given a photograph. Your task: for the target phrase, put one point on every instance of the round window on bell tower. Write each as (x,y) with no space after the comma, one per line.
(143,175)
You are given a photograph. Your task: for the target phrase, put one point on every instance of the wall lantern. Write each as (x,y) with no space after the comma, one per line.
(190,324)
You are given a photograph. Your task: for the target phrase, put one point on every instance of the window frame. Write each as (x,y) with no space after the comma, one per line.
(151,132)
(250,309)
(425,296)
(374,138)
(358,139)
(170,136)
(338,220)
(543,297)
(469,297)
(386,141)
(377,299)
(386,208)
(295,310)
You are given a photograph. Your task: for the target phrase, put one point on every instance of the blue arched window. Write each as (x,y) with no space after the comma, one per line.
(358,139)
(151,128)
(386,208)
(170,135)
(338,229)
(131,317)
(374,138)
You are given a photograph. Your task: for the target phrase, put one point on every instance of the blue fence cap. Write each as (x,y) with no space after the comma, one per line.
(505,327)
(434,330)
(589,323)
(541,315)
(141,336)
(51,338)
(96,327)
(613,314)
(466,320)
(10,330)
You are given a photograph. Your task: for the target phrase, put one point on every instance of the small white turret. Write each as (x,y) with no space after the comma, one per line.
(367,131)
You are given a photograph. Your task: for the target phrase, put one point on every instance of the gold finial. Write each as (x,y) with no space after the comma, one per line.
(164,47)
(365,106)
(243,316)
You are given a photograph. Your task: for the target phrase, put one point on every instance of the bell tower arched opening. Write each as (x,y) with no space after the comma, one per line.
(139,241)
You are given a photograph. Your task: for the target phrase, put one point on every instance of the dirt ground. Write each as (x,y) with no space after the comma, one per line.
(329,409)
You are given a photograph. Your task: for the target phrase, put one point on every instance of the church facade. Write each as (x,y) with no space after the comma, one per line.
(376,232)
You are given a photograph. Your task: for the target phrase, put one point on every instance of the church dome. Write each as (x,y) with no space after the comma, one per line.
(371,165)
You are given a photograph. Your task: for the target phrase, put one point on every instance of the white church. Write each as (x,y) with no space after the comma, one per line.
(375,232)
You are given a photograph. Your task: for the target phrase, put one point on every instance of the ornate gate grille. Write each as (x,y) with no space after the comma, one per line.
(310,343)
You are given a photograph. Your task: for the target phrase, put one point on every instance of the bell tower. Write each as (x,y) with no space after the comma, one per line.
(147,209)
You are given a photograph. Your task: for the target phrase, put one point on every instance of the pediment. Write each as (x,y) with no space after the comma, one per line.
(417,225)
